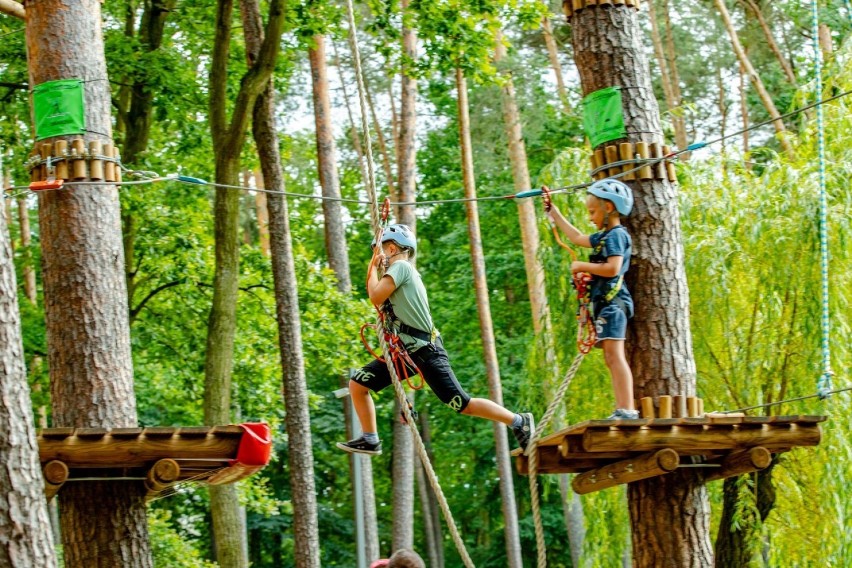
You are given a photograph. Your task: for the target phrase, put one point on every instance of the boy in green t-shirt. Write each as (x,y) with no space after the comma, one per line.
(402,287)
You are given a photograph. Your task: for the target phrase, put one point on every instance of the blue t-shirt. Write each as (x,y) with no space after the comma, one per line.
(612,242)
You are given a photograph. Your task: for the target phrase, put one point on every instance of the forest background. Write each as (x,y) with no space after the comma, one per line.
(749,219)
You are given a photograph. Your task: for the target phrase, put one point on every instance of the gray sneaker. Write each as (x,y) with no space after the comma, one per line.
(525,432)
(624,414)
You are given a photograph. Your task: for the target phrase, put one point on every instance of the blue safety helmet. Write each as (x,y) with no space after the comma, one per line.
(613,190)
(401,235)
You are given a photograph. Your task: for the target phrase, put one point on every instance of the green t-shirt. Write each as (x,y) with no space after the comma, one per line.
(410,302)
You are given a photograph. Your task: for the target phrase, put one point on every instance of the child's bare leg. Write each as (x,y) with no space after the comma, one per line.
(484,408)
(622,377)
(364,407)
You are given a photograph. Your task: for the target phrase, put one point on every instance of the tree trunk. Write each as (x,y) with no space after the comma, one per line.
(406,152)
(825,42)
(553,55)
(335,232)
(86,313)
(764,95)
(380,138)
(403,451)
(25,535)
(300,455)
(735,546)
(670,515)
(770,41)
(26,240)
(228,138)
(486,327)
(423,488)
(433,508)
(262,213)
(353,129)
(663,56)
(677,98)
(535,275)
(744,111)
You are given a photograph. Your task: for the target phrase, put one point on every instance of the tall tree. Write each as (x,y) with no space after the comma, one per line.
(670,515)
(486,325)
(762,92)
(300,455)
(668,79)
(104,523)
(25,536)
(26,240)
(770,39)
(335,232)
(228,139)
(553,56)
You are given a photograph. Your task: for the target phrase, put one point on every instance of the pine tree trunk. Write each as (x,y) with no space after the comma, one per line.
(670,515)
(406,151)
(663,56)
(671,58)
(433,509)
(535,279)
(486,326)
(380,138)
(770,41)
(25,535)
(228,138)
(403,451)
(86,313)
(744,112)
(300,455)
(764,95)
(262,213)
(26,240)
(553,56)
(335,232)
(423,489)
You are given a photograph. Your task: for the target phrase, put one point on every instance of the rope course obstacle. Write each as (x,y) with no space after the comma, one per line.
(161,458)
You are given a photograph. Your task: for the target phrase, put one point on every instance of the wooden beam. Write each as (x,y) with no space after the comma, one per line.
(55,474)
(642,467)
(696,437)
(13,8)
(141,451)
(743,461)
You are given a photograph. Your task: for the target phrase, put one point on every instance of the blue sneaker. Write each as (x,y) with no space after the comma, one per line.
(624,414)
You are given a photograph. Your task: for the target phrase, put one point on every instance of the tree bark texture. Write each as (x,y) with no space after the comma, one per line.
(25,534)
(298,423)
(405,149)
(262,213)
(486,326)
(403,481)
(382,143)
(335,232)
(86,312)
(670,515)
(433,510)
(764,95)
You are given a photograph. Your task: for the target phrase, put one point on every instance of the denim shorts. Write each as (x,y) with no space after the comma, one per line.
(611,323)
(435,367)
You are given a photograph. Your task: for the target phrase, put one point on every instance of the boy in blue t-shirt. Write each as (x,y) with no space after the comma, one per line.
(612,306)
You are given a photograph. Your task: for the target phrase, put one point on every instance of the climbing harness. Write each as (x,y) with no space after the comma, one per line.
(586,333)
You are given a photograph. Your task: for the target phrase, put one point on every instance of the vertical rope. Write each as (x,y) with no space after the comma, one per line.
(377,228)
(824,383)
(532,453)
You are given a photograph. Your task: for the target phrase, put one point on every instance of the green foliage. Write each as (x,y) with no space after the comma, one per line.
(168,547)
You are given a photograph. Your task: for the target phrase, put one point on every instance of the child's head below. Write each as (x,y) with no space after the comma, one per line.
(406,558)
(607,200)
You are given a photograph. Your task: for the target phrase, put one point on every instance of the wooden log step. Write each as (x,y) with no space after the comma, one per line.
(91,433)
(194,431)
(124,433)
(56,433)
(159,432)
(740,462)
(634,469)
(686,437)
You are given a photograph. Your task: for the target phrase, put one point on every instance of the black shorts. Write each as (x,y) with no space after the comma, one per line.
(435,367)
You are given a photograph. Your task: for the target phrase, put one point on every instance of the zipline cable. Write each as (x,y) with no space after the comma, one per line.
(377,228)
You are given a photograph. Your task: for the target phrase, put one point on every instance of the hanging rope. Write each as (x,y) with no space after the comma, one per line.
(824,383)
(377,228)
(532,453)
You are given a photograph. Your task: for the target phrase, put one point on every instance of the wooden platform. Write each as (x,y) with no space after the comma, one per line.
(611,452)
(159,457)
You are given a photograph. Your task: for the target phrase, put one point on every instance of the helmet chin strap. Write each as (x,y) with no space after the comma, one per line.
(386,261)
